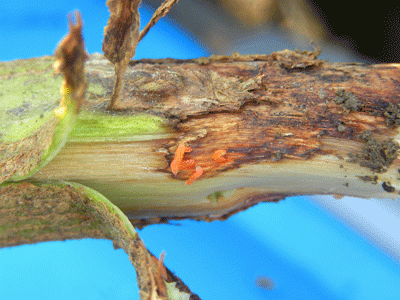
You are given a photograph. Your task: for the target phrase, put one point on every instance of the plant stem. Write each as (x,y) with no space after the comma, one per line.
(290,125)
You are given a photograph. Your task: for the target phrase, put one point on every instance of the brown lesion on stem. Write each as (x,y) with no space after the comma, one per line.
(263,108)
(289,123)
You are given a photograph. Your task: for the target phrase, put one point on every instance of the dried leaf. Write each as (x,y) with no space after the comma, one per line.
(70,59)
(121,36)
(158,14)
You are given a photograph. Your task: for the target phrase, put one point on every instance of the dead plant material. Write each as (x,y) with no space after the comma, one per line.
(121,36)
(70,60)
(164,8)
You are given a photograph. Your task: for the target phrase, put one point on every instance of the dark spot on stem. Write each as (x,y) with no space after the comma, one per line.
(347,100)
(387,187)
(373,179)
(392,115)
(378,156)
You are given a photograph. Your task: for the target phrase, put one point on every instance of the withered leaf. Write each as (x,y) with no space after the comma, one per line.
(121,36)
(70,60)
(122,31)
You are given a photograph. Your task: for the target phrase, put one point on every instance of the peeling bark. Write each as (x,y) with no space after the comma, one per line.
(290,125)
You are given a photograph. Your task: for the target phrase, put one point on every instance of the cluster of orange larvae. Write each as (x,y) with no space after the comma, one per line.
(179,163)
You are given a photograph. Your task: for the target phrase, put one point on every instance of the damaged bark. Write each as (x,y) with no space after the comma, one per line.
(290,125)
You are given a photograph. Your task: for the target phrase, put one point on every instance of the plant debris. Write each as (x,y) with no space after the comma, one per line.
(70,60)
(297,60)
(347,100)
(379,156)
(121,36)
(392,115)
(164,8)
(387,187)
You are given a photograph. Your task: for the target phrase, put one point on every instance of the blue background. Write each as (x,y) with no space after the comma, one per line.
(305,251)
